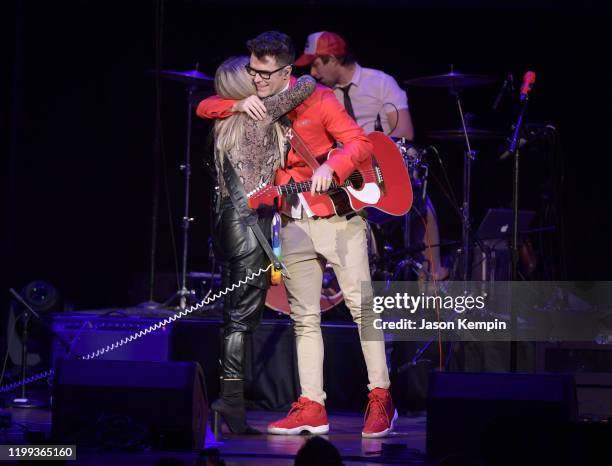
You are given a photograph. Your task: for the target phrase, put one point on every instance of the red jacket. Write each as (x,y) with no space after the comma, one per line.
(320,120)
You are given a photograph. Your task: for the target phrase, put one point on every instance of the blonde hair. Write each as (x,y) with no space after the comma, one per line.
(233,82)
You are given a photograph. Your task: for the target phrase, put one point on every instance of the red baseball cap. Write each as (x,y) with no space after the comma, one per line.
(321,43)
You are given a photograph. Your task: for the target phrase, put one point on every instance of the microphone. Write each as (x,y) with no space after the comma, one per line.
(528,81)
(378,124)
(529,137)
(508,85)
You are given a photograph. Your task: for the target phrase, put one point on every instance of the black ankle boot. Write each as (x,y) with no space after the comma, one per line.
(230,407)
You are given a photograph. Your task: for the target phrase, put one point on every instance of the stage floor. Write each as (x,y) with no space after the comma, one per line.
(264,450)
(345,434)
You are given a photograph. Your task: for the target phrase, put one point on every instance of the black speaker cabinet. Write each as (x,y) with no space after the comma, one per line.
(129,404)
(591,365)
(500,418)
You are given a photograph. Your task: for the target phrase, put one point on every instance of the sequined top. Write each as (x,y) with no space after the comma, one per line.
(257,156)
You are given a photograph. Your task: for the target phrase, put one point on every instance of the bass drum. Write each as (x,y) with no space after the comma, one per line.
(331,295)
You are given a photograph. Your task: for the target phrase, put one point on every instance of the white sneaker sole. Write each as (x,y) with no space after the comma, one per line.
(324,429)
(383,433)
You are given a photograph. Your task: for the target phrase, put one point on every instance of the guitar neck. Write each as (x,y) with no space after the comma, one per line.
(304,186)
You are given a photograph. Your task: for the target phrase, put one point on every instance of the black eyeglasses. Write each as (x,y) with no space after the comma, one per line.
(265,75)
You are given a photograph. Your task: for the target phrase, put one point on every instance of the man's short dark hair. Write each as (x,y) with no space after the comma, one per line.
(274,44)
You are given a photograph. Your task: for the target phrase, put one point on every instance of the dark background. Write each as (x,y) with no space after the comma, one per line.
(80,110)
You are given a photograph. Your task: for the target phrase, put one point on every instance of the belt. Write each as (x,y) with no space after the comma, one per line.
(347,217)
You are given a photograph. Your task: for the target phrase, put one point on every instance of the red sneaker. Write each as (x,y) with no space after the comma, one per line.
(380,414)
(304,415)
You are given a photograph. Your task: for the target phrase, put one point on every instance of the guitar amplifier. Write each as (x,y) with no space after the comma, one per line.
(83,335)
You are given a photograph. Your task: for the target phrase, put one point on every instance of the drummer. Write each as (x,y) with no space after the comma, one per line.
(375,100)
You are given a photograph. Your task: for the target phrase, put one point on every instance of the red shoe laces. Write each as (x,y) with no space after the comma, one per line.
(296,409)
(377,407)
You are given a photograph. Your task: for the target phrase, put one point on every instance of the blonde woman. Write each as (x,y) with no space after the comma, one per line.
(255,148)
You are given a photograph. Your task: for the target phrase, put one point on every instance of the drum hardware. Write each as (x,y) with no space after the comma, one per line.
(193,80)
(458,134)
(418,170)
(204,284)
(409,261)
(415,160)
(454,82)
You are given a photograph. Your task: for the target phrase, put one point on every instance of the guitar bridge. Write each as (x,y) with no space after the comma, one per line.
(379,177)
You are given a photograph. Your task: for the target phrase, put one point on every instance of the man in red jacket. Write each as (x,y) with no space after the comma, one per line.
(312,233)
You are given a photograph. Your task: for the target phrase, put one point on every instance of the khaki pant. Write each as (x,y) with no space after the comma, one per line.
(306,244)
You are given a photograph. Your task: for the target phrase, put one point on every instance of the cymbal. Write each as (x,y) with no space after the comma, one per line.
(451,80)
(188,77)
(458,134)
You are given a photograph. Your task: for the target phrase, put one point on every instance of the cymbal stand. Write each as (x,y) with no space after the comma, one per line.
(468,157)
(183,293)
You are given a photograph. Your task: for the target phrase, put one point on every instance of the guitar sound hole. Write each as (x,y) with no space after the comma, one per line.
(356,180)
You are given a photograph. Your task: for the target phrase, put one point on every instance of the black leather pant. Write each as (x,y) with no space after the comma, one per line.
(240,255)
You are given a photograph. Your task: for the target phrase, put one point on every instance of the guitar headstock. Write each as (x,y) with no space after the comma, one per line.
(262,194)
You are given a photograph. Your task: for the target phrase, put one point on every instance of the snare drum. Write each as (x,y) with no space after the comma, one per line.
(417,168)
(411,155)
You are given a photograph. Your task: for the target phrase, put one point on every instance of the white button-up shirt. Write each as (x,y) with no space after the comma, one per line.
(373,93)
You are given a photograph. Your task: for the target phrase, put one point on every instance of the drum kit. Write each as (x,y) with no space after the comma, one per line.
(387,260)
(390,258)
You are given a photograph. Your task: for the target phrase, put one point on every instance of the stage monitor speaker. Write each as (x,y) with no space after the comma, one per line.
(129,404)
(591,365)
(500,418)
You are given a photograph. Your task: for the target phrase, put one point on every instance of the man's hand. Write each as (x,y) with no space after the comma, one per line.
(252,106)
(322,179)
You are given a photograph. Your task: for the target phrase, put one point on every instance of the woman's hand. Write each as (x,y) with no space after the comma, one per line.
(253,106)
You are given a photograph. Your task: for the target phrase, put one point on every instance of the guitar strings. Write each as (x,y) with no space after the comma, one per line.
(352,177)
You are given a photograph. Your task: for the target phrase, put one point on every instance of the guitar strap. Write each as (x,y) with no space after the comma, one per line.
(248,216)
(301,148)
(304,151)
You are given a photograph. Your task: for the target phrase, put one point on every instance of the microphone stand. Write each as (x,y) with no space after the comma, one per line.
(514,152)
(23,401)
